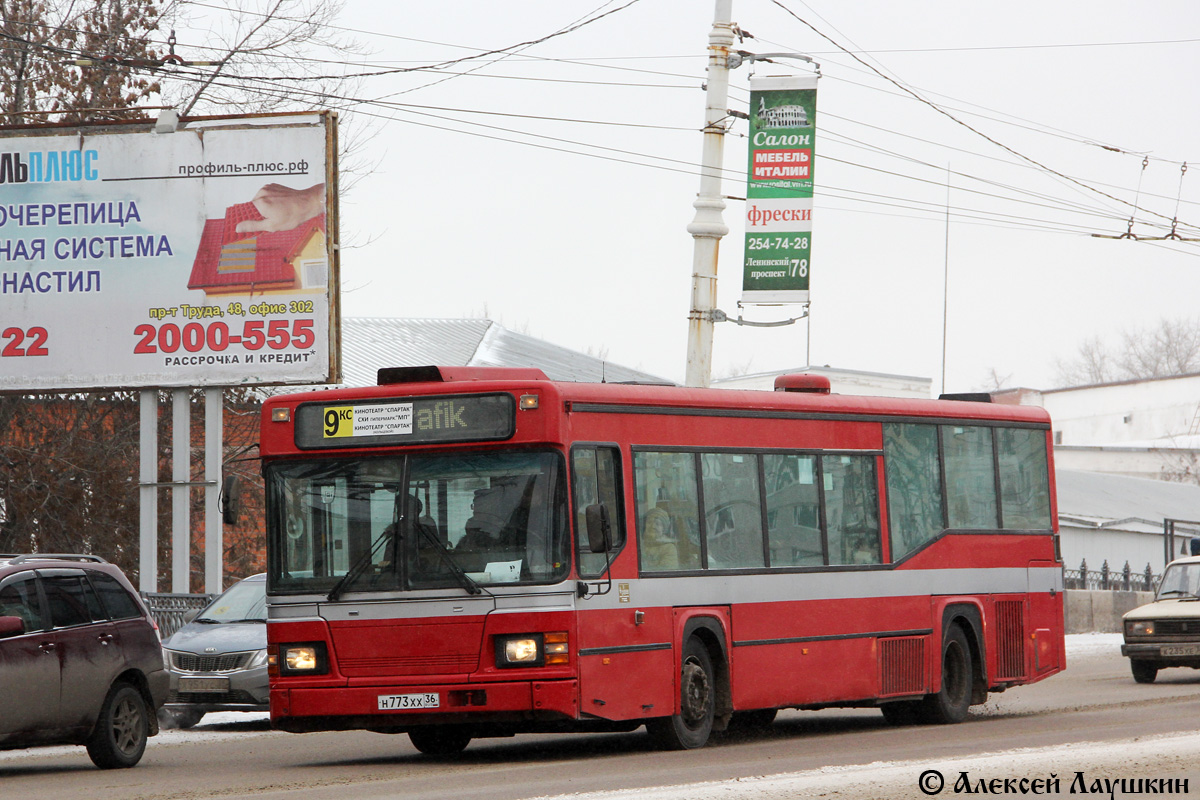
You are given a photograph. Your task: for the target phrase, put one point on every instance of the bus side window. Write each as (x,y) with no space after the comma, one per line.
(1024,478)
(914,485)
(851,509)
(732,510)
(793,510)
(668,511)
(596,478)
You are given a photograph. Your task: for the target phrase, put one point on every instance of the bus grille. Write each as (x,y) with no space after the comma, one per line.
(417,665)
(903,662)
(1010,639)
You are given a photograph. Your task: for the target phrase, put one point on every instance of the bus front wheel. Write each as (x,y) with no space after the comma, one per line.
(950,703)
(691,727)
(437,740)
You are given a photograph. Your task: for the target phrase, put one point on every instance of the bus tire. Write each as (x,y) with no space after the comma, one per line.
(1143,671)
(746,721)
(949,704)
(902,712)
(438,740)
(691,727)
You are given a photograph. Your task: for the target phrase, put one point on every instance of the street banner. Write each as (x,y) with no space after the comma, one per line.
(779,190)
(197,254)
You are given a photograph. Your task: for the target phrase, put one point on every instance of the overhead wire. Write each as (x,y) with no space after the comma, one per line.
(625,156)
(953,118)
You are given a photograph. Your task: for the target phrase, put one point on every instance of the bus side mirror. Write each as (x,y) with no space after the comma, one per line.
(231,491)
(599,531)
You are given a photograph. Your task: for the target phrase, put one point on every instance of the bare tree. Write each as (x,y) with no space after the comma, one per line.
(1170,348)
(995,381)
(43,44)
(264,55)
(68,479)
(1090,365)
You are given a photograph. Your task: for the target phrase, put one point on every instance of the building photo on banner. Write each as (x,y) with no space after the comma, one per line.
(160,254)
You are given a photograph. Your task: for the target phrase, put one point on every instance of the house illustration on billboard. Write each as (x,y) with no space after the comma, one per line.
(232,262)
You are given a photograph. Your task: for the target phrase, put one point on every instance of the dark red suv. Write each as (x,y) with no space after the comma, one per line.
(80,658)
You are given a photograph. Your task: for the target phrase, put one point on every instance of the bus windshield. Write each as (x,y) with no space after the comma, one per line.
(417,522)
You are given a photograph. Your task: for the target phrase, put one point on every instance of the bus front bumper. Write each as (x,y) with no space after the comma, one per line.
(306,709)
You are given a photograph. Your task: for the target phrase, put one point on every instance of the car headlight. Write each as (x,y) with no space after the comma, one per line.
(166,659)
(1140,627)
(532,650)
(258,659)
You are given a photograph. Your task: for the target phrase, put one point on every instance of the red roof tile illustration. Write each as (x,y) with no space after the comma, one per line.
(229,261)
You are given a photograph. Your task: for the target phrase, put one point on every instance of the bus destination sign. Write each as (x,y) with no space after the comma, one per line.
(401,421)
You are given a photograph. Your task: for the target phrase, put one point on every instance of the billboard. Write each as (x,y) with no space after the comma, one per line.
(202,255)
(779,190)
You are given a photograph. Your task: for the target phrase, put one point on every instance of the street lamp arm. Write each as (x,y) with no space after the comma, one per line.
(736,59)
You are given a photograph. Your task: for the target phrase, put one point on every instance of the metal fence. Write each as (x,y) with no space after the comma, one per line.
(168,609)
(1123,580)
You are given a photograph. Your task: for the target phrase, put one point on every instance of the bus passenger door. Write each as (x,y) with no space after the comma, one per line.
(626,661)
(626,664)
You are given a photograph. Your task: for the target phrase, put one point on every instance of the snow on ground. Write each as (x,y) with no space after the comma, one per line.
(1158,756)
(1082,645)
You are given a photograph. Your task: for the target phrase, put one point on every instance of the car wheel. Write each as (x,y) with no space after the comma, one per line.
(1144,671)
(122,729)
(179,718)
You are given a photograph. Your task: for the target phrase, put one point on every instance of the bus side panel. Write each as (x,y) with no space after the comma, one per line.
(626,669)
(1046,619)
(819,651)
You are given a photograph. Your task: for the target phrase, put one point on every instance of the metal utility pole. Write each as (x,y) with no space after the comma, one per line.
(709,226)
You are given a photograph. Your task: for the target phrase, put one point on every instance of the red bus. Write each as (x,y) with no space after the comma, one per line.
(475,552)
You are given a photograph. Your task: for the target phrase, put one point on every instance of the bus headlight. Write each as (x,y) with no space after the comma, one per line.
(532,650)
(303,658)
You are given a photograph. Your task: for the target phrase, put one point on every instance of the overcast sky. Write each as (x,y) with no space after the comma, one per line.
(551,189)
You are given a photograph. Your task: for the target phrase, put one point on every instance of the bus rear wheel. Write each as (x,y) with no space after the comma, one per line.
(691,727)
(950,703)
(437,740)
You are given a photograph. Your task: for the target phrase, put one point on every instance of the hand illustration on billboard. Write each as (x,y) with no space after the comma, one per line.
(284,208)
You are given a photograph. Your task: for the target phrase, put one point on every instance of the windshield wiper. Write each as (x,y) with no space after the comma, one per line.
(464,579)
(359,566)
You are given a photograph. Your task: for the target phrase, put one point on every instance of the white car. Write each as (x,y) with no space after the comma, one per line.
(1166,633)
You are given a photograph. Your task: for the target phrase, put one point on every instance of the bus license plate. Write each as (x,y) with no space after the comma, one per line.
(399,702)
(1181,650)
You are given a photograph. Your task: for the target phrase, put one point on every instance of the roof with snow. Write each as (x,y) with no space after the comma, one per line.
(371,343)
(1100,500)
